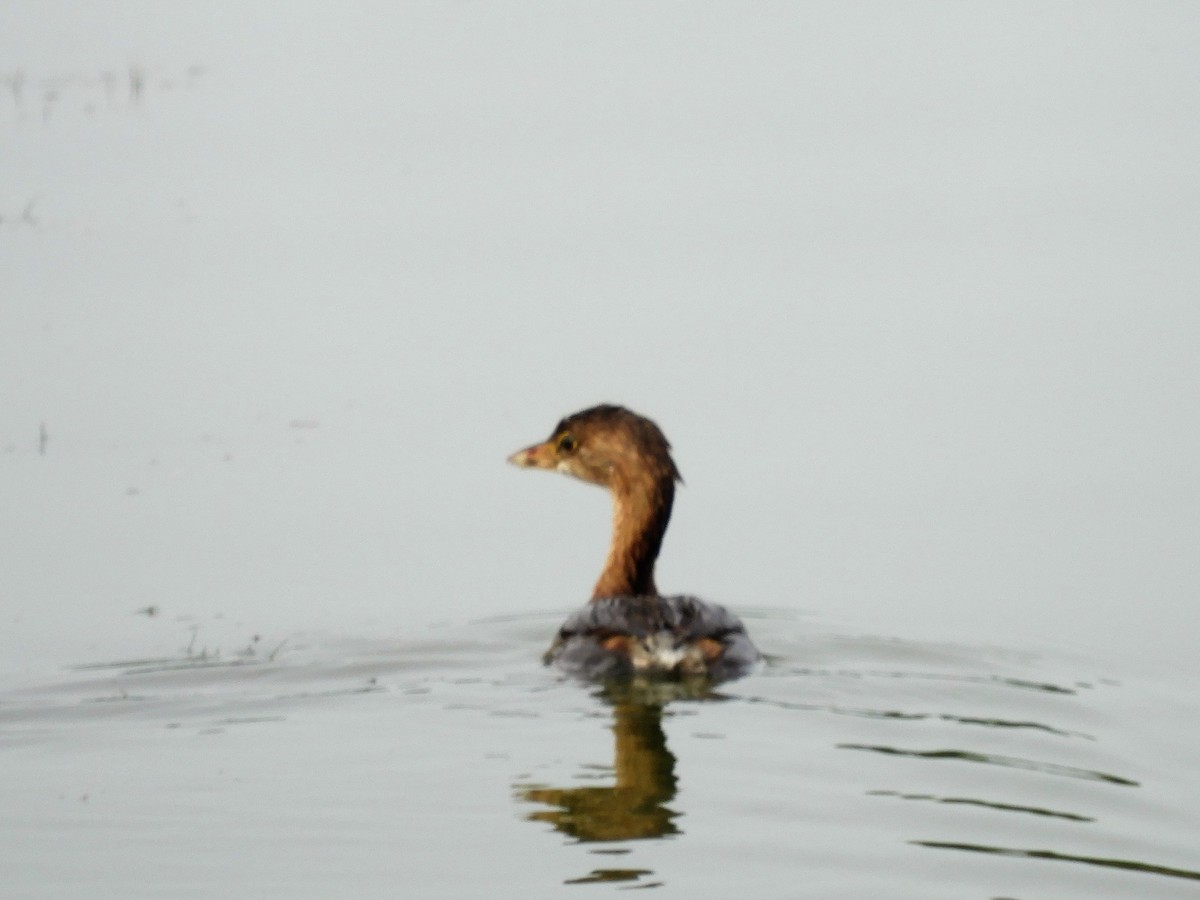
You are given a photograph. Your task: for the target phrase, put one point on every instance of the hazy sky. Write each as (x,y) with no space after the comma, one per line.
(911,287)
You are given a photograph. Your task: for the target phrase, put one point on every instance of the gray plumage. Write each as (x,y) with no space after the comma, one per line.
(662,632)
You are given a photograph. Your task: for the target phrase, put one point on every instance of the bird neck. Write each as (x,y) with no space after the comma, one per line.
(641,511)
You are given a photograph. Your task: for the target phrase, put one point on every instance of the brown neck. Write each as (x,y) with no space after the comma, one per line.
(641,511)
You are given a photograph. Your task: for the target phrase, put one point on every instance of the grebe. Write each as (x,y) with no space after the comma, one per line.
(628,627)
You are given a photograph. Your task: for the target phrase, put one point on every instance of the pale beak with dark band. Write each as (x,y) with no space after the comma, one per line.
(539,456)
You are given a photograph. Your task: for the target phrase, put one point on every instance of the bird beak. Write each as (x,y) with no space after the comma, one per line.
(539,456)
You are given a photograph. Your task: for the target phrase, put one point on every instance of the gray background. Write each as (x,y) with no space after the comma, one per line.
(911,288)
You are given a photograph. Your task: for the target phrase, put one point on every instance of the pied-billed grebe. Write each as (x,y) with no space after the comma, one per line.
(628,627)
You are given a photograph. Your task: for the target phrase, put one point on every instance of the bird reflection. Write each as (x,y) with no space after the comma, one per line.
(635,806)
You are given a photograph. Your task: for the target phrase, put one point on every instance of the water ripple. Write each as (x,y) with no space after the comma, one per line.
(1011,762)
(1126,864)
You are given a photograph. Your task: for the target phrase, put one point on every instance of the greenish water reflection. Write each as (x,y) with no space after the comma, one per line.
(632,808)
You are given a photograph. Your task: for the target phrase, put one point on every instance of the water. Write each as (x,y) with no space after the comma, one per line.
(849,766)
(912,293)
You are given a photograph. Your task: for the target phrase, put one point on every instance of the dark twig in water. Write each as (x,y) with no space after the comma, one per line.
(16,85)
(27,215)
(49,98)
(137,83)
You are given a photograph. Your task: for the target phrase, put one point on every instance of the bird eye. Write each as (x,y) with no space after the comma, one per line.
(567,444)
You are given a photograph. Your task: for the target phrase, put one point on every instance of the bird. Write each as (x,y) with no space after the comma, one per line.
(628,628)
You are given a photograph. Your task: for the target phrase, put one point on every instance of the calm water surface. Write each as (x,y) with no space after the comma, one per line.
(452,764)
(913,294)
